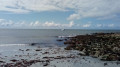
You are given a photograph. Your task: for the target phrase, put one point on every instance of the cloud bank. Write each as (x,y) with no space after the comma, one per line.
(38,24)
(53,25)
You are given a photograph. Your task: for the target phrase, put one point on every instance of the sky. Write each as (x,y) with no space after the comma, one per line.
(57,14)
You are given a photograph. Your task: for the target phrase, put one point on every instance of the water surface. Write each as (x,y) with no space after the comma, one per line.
(43,36)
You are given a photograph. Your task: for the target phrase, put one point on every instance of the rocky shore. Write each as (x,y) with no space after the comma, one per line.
(105,46)
(44,56)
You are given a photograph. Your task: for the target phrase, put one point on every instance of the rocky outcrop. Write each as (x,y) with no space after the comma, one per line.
(105,46)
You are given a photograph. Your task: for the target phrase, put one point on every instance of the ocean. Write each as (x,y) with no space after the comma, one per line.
(42,36)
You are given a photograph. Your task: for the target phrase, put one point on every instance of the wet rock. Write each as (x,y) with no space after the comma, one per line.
(105,64)
(117,63)
(38,49)
(47,61)
(45,53)
(97,53)
(21,50)
(45,57)
(27,49)
(46,64)
(82,54)
(57,58)
(33,44)
(13,60)
(68,48)
(1,61)
(48,57)
(59,39)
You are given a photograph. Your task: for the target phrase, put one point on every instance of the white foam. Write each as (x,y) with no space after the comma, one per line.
(2,45)
(65,36)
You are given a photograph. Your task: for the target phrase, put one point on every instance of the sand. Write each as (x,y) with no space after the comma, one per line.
(53,57)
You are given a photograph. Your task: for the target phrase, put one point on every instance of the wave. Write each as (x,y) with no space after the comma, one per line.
(2,45)
(66,36)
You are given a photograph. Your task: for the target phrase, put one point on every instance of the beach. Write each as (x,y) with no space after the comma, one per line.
(52,54)
(50,57)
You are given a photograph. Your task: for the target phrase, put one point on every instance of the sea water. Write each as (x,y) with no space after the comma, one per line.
(42,36)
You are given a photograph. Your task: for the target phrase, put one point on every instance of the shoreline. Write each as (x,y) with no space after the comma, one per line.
(36,56)
(52,57)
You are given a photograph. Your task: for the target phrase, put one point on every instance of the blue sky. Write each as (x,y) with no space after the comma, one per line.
(57,14)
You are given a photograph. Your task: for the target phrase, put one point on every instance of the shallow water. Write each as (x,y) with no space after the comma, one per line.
(42,36)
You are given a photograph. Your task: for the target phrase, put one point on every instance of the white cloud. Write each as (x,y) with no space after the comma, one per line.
(25,6)
(73,16)
(106,25)
(101,9)
(111,25)
(12,6)
(4,22)
(99,25)
(1,20)
(107,17)
(38,24)
(53,24)
(86,25)
(71,24)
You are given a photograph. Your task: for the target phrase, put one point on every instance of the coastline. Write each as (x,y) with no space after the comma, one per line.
(37,56)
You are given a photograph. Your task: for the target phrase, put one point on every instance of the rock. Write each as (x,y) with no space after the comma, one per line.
(45,52)
(117,62)
(27,49)
(68,48)
(82,54)
(105,64)
(116,49)
(38,49)
(113,57)
(105,57)
(1,61)
(32,44)
(96,45)
(59,40)
(13,60)
(97,54)
(46,64)
(21,50)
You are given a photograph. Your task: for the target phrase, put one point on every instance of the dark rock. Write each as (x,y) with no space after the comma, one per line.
(13,60)
(21,50)
(27,49)
(46,64)
(45,52)
(38,49)
(105,64)
(32,44)
(82,54)
(1,61)
(59,40)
